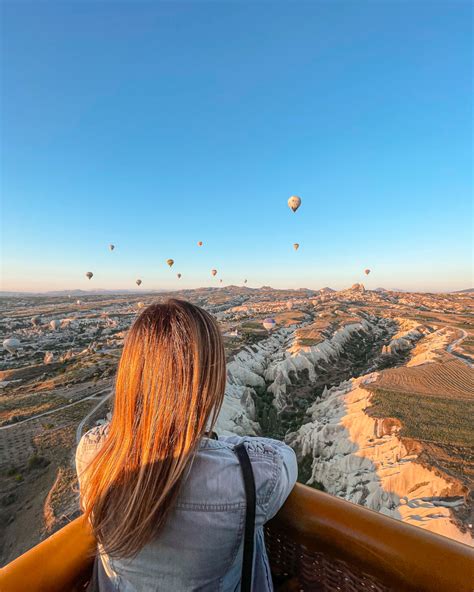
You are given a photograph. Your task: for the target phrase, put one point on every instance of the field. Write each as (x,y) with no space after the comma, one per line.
(434,404)
(448,378)
(426,417)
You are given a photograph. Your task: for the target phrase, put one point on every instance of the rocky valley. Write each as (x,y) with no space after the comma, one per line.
(372,389)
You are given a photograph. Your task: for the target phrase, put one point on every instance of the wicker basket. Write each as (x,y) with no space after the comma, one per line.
(297,569)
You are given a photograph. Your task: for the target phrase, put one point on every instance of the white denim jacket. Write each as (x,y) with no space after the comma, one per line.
(200,548)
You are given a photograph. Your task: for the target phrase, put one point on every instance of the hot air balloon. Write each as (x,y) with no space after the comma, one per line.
(294,202)
(11,345)
(220,281)
(178,275)
(214,272)
(89,275)
(138,282)
(200,244)
(55,324)
(245,281)
(170,262)
(78,302)
(35,321)
(269,324)
(140,304)
(366,271)
(296,246)
(289,304)
(111,247)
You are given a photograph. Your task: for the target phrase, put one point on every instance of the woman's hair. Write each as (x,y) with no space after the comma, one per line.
(169,389)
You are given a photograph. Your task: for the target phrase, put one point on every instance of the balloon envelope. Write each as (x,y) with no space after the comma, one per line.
(170,262)
(55,324)
(200,244)
(11,345)
(296,246)
(294,202)
(138,282)
(289,304)
(89,274)
(111,247)
(366,271)
(269,324)
(178,275)
(214,271)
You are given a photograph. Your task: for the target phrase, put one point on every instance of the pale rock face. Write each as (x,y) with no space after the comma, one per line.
(237,414)
(298,358)
(432,346)
(245,374)
(48,357)
(357,457)
(409,333)
(272,361)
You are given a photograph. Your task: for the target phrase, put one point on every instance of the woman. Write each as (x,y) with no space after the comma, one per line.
(166,501)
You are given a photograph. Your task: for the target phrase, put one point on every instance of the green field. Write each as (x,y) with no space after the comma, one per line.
(427,417)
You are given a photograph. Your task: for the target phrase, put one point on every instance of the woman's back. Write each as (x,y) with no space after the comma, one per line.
(200,546)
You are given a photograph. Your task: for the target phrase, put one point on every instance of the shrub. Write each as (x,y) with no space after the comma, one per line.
(37,462)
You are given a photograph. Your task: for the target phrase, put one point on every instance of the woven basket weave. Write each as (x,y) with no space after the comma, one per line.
(297,569)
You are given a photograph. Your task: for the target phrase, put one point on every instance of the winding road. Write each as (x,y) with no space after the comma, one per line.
(93,396)
(454,344)
(84,419)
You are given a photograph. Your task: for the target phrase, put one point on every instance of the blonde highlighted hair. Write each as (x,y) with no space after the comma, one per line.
(169,389)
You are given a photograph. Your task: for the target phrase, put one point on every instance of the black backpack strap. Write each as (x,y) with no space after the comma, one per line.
(249,533)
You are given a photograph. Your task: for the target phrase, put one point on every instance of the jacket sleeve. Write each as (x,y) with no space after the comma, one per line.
(287,473)
(275,471)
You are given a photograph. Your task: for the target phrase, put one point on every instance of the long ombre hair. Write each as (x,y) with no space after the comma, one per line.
(169,389)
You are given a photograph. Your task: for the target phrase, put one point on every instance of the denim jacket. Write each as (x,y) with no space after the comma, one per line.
(200,547)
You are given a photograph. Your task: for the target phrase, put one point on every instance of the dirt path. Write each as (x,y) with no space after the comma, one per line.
(451,347)
(91,412)
(17,423)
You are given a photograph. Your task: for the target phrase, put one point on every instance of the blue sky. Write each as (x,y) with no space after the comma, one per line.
(155,125)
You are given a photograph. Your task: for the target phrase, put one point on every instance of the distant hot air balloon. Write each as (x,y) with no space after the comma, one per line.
(11,345)
(269,324)
(35,321)
(170,262)
(55,324)
(200,244)
(294,202)
(289,304)
(138,282)
(141,304)
(220,281)
(214,272)
(245,281)
(178,276)
(111,247)
(296,246)
(78,302)
(89,275)
(366,271)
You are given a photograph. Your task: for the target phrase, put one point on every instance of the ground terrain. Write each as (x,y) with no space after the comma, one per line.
(373,389)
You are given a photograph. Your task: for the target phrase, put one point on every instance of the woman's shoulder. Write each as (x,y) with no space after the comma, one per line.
(259,446)
(274,466)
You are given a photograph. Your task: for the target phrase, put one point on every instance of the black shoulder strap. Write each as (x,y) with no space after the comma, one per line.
(249,534)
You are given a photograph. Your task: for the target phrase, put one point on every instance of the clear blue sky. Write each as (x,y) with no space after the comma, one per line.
(155,125)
